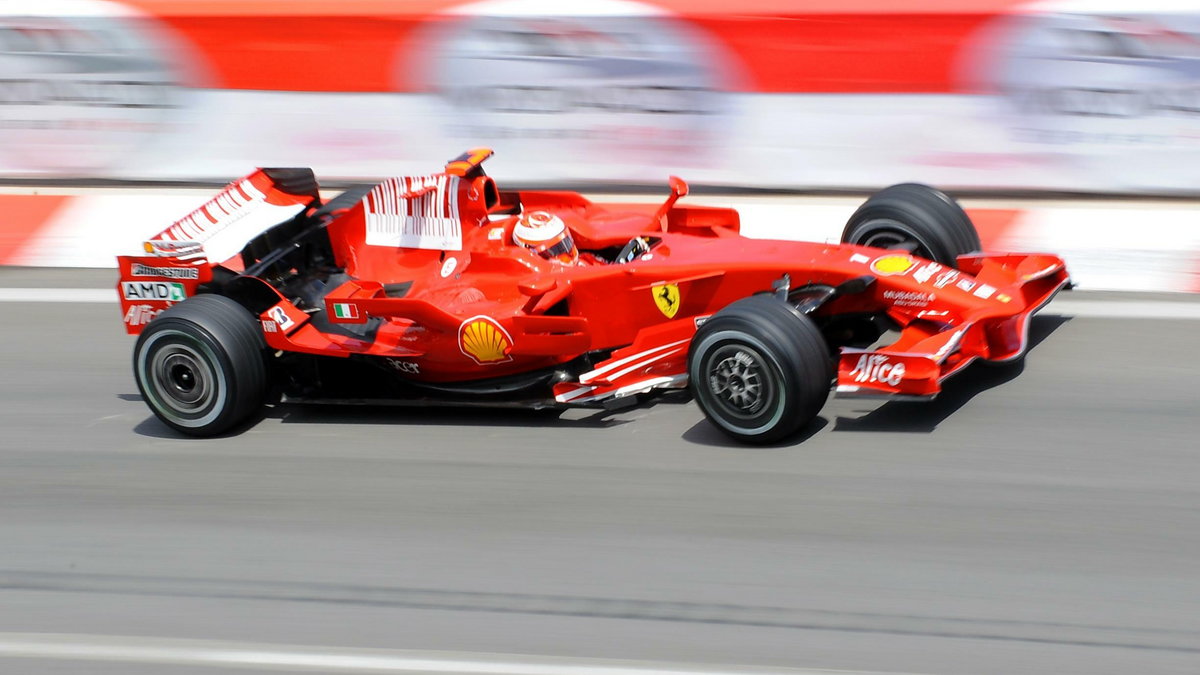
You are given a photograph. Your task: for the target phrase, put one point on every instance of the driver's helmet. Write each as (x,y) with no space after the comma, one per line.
(547,234)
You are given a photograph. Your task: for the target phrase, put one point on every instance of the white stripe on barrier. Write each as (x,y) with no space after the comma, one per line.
(298,659)
(1114,248)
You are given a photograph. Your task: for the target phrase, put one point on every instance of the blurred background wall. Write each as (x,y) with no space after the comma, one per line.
(1077,95)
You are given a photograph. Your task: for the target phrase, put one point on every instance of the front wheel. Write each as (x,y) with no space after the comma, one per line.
(199,365)
(919,219)
(759,369)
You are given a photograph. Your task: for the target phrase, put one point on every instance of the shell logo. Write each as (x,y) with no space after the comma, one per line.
(484,340)
(889,265)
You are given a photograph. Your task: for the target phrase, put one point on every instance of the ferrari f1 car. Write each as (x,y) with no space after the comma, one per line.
(444,289)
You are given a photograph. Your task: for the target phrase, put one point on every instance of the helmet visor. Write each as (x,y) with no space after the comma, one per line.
(563,249)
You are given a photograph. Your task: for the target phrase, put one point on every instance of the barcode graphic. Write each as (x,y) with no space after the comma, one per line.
(414,212)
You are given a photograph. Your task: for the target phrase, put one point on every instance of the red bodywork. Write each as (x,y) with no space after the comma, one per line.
(475,306)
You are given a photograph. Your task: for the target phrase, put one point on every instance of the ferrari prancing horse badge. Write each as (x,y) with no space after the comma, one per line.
(666,297)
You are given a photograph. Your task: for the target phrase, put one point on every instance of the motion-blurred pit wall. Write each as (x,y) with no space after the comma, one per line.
(849,94)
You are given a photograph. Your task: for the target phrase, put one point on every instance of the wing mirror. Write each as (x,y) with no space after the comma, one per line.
(679,188)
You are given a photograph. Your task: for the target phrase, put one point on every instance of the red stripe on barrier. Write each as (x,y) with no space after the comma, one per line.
(24,217)
(847,53)
(684,7)
(994,225)
(307,53)
(856,46)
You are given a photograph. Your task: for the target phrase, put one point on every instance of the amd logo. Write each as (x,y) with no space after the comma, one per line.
(170,291)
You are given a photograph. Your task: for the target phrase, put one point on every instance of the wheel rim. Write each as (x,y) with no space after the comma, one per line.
(737,380)
(180,380)
(183,378)
(890,236)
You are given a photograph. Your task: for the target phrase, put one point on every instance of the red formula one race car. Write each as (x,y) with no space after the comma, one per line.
(442,288)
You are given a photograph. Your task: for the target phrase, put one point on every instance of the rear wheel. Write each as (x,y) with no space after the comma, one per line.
(759,369)
(199,365)
(916,218)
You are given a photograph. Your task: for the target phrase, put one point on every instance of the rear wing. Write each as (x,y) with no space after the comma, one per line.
(176,261)
(243,210)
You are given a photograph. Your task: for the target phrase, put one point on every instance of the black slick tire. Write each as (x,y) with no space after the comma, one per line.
(923,220)
(759,369)
(200,367)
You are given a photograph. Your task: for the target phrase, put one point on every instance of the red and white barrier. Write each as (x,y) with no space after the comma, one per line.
(1130,246)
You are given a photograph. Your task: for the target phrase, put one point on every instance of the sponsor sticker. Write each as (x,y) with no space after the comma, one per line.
(965,284)
(140,315)
(666,298)
(891,265)
(171,291)
(496,234)
(908,298)
(1004,297)
(281,317)
(877,368)
(140,270)
(170,247)
(944,279)
(270,326)
(925,272)
(484,340)
(449,266)
(860,258)
(405,367)
(345,310)
(984,291)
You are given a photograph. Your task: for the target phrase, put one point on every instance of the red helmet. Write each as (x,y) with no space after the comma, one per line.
(547,234)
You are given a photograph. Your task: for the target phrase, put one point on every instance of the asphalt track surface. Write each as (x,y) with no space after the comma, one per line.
(1037,518)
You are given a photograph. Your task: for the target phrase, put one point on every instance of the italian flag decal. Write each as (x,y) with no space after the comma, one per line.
(345,310)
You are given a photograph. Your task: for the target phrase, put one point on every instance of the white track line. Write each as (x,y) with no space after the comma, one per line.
(1077,305)
(87,295)
(1125,309)
(213,653)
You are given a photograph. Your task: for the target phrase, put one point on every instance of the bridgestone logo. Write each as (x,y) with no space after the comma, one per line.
(166,272)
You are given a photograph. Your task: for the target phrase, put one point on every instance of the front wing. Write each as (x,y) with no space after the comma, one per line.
(928,352)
